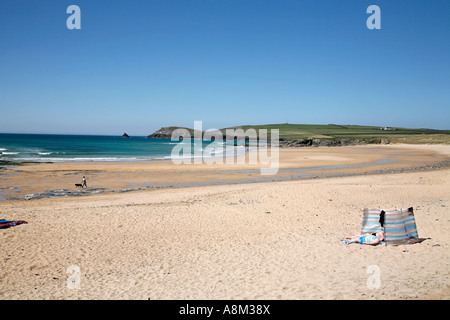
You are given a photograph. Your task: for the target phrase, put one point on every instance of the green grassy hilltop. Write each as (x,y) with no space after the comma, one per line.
(369,134)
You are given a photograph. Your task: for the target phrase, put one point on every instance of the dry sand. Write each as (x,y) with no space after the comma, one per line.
(264,240)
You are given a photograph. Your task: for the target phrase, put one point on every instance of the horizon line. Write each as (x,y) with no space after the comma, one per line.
(242,125)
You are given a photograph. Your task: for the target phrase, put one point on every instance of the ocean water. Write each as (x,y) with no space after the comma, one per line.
(80,148)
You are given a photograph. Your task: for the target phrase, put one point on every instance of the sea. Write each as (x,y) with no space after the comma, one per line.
(84,148)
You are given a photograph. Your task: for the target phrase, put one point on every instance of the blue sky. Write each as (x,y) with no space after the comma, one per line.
(135,66)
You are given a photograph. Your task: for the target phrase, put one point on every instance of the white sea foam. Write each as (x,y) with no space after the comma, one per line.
(44,153)
(189,142)
(3,149)
(27,158)
(87,159)
(10,153)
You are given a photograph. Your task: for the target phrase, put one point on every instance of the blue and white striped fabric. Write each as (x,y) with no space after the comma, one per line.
(399,225)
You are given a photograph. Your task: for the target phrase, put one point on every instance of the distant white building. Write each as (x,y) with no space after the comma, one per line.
(387,128)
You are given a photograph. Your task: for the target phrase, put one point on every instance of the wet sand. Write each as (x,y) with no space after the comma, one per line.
(58,179)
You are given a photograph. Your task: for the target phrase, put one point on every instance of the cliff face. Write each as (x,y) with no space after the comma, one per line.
(166,133)
(162,133)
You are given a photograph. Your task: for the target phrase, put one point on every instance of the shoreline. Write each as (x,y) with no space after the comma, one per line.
(36,181)
(52,194)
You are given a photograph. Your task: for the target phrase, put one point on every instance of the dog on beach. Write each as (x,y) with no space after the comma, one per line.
(78,185)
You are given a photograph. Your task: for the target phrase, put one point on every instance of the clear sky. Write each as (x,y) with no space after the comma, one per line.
(138,65)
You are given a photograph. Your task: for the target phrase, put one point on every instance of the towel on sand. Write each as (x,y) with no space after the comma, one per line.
(7,223)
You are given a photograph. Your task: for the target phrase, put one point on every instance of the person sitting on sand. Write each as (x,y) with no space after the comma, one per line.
(371,239)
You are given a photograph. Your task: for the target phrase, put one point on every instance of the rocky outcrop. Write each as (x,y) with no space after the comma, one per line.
(125,135)
(290,143)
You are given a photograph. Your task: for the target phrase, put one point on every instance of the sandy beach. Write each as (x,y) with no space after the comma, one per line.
(156,230)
